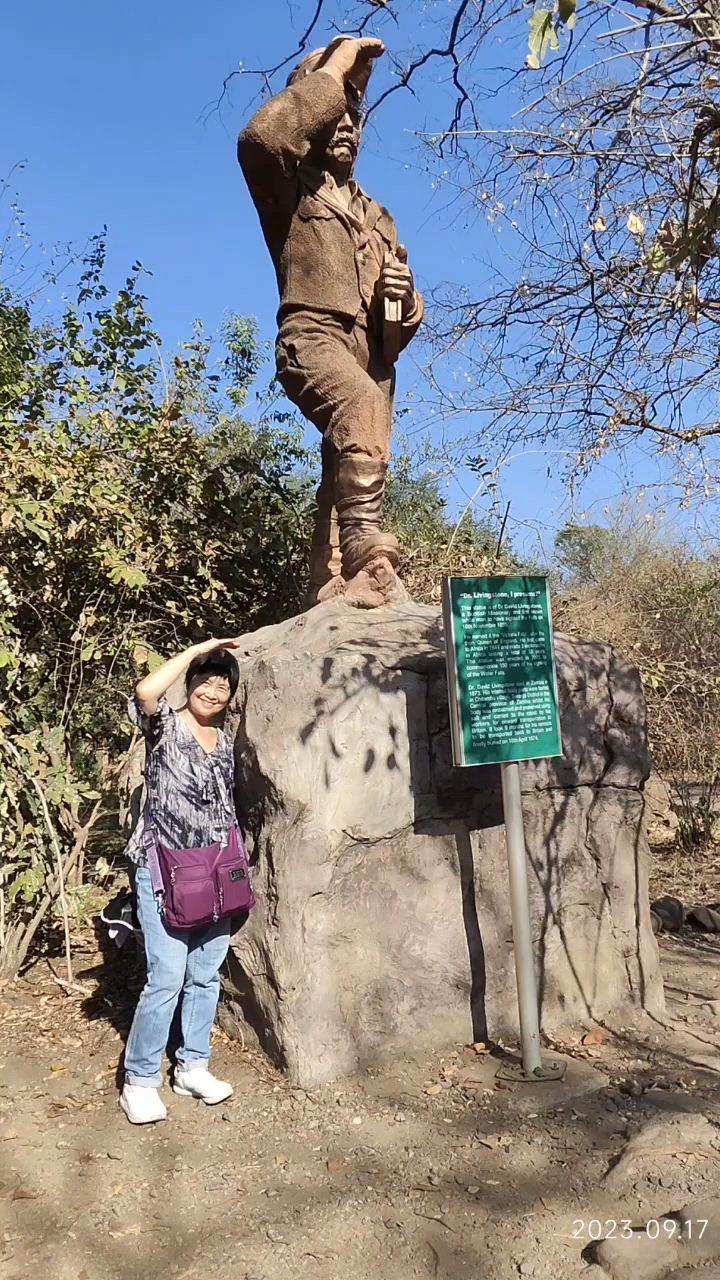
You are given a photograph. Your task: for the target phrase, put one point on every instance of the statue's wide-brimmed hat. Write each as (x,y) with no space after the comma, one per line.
(308,64)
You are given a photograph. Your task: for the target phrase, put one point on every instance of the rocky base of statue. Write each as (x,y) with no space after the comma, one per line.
(383,921)
(375,585)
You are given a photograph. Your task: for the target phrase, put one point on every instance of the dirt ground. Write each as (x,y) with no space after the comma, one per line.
(431,1167)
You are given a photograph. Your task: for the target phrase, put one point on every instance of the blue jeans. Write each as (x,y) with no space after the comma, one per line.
(177,961)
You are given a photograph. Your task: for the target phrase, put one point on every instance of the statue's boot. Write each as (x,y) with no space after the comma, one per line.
(326,580)
(370,555)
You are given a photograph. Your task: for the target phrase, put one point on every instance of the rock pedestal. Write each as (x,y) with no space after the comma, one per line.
(383,921)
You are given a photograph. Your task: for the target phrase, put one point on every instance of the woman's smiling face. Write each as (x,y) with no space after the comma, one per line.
(208,696)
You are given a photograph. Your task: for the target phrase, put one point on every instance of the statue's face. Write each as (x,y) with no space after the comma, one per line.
(345,143)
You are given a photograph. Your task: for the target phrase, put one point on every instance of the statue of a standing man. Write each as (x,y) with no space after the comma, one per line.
(348,306)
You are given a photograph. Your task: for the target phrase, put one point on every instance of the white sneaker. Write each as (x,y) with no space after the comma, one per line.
(198,1082)
(141,1105)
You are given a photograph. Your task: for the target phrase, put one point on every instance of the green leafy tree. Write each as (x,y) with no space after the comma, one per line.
(584,552)
(139,511)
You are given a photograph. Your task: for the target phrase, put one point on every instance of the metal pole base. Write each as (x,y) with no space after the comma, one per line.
(515,1073)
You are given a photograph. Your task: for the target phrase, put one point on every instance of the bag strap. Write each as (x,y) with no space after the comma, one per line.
(149,836)
(149,841)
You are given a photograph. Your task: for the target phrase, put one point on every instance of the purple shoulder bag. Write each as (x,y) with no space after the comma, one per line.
(199,886)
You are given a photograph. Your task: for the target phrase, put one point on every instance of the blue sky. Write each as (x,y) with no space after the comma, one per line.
(107,106)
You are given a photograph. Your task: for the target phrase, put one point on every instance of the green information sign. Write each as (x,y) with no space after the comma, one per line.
(501,670)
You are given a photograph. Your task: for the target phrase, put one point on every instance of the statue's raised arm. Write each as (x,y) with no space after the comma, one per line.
(348,306)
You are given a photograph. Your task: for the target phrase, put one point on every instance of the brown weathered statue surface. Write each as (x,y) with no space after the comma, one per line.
(341,274)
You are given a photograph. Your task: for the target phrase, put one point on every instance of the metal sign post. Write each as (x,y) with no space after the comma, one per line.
(520,912)
(503,709)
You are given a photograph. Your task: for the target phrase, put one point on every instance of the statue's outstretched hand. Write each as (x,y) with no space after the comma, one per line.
(352,60)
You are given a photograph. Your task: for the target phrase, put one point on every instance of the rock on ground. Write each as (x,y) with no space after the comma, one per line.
(668,1246)
(663,1139)
(383,922)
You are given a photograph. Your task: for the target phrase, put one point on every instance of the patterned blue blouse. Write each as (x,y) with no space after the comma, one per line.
(189,790)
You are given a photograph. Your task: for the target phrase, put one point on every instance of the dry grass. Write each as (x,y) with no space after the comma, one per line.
(694,878)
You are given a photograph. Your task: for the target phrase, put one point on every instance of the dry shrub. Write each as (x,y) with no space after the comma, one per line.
(659,604)
(424,567)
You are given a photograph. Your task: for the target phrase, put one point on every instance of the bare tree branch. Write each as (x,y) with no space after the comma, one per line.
(595,326)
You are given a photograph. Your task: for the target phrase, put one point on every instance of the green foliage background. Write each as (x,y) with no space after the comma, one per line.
(140,511)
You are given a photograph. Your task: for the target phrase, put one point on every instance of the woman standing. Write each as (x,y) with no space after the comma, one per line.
(189,805)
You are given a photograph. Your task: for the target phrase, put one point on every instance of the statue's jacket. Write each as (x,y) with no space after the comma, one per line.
(327,258)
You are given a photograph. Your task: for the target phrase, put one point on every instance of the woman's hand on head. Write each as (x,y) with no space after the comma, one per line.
(211,646)
(155,685)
